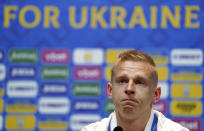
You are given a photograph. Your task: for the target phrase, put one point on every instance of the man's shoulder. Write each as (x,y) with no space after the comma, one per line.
(165,124)
(98,125)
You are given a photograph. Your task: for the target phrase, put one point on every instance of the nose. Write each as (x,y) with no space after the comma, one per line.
(130,90)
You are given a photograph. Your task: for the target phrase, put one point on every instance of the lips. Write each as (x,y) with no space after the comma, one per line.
(128,104)
(128,100)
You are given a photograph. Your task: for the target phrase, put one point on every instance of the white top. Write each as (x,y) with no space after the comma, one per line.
(164,124)
(113,122)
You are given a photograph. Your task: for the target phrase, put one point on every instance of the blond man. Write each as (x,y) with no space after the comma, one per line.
(133,89)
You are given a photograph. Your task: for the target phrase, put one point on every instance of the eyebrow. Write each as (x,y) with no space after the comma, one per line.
(125,76)
(140,78)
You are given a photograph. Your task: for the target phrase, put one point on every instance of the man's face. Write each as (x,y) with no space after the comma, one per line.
(132,89)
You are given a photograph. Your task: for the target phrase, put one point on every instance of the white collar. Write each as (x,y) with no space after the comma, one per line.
(113,122)
(150,121)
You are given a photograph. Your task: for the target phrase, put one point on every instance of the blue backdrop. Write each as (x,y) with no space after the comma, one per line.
(56,56)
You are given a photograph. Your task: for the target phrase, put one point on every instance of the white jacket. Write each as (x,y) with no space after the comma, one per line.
(164,124)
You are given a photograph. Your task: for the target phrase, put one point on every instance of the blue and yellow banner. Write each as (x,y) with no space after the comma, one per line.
(56,59)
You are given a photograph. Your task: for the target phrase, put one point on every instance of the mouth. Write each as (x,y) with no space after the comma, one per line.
(129,104)
(128,100)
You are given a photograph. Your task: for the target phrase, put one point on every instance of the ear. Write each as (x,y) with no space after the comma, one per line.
(109,90)
(157,94)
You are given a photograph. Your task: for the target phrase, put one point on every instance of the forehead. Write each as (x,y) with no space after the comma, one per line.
(133,68)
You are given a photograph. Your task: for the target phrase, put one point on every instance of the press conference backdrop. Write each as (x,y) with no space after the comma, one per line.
(56,57)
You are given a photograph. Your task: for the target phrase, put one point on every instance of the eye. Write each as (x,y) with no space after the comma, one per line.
(122,81)
(139,82)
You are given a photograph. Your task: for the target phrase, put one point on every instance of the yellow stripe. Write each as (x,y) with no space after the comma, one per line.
(56,125)
(108,72)
(21,108)
(162,73)
(186,77)
(112,55)
(1,105)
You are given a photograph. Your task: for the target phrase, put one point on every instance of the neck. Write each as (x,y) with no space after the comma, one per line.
(138,123)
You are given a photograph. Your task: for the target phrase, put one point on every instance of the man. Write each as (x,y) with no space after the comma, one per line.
(133,89)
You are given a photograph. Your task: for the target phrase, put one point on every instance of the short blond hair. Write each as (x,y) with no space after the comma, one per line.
(136,56)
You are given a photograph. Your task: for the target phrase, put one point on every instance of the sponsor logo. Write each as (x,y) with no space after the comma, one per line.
(88,73)
(22,72)
(87,89)
(164,91)
(86,56)
(160,106)
(54,105)
(53,124)
(186,91)
(112,55)
(160,58)
(20,55)
(77,121)
(187,74)
(86,105)
(55,56)
(54,89)
(21,106)
(21,122)
(22,88)
(109,106)
(187,57)
(1,55)
(192,124)
(54,72)
(162,73)
(2,72)
(186,108)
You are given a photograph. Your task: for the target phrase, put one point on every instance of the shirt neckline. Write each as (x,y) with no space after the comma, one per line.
(113,122)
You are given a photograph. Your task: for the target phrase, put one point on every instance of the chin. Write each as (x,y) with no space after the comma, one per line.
(128,110)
